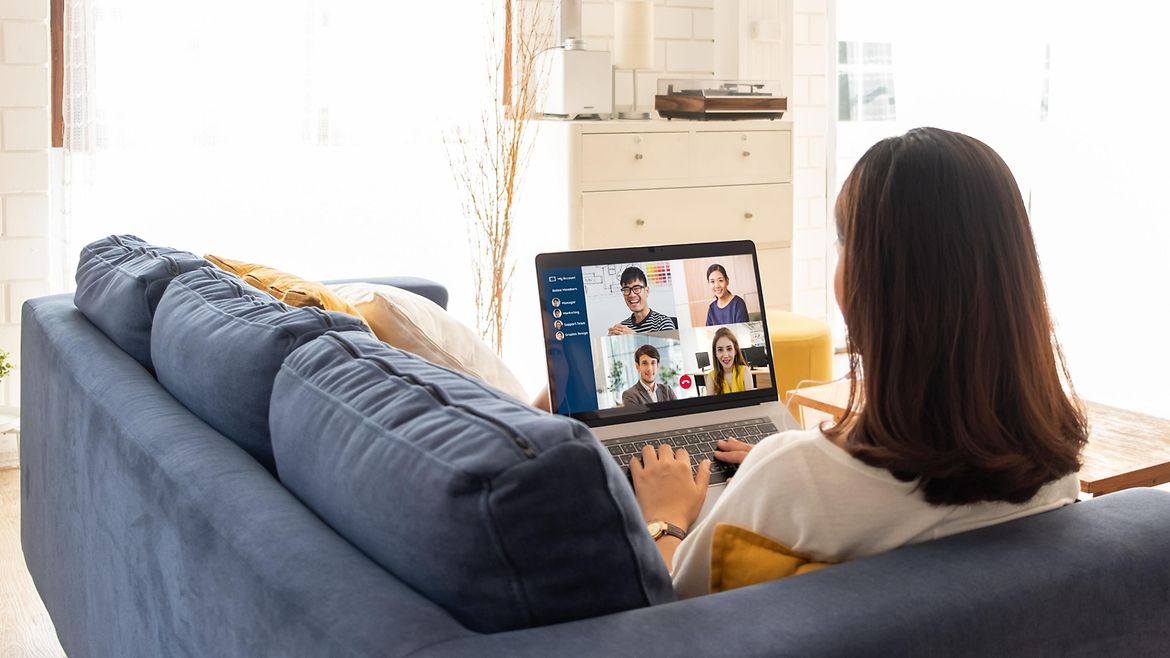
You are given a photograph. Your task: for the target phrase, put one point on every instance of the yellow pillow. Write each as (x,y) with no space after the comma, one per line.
(740,557)
(288,288)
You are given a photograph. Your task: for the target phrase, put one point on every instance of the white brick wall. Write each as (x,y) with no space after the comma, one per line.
(684,43)
(799,59)
(26,42)
(24,170)
(811,125)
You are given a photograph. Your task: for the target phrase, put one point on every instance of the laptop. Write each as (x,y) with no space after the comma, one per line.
(630,350)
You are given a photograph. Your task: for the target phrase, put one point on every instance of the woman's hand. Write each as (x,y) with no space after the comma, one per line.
(665,489)
(732,451)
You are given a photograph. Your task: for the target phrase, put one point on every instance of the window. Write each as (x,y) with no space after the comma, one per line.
(865,81)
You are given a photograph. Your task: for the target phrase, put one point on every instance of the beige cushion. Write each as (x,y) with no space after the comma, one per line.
(417,325)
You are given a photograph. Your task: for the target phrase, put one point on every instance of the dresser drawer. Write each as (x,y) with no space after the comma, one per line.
(632,157)
(698,214)
(751,155)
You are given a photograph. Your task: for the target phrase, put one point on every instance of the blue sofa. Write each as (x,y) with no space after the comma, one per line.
(152,530)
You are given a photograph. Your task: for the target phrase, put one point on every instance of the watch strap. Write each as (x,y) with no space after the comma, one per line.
(659,529)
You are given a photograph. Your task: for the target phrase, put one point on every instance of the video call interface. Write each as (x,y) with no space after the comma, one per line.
(627,337)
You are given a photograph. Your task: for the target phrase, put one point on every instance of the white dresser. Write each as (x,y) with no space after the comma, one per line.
(655,182)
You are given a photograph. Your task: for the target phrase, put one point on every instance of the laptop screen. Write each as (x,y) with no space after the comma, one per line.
(646,332)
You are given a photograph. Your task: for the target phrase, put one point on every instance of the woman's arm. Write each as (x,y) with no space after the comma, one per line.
(666,491)
(739,312)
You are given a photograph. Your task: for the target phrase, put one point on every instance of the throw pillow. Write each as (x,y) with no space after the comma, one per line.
(505,516)
(217,344)
(288,288)
(120,280)
(416,324)
(740,557)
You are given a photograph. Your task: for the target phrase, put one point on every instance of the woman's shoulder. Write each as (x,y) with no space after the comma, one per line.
(789,441)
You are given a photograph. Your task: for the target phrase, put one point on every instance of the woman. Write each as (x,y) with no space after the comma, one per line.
(965,416)
(729,371)
(726,308)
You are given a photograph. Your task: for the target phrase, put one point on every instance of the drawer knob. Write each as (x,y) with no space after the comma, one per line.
(746,153)
(640,222)
(748,215)
(743,137)
(637,156)
(637,139)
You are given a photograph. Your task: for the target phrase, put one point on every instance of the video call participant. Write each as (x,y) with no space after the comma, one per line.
(726,307)
(636,293)
(646,390)
(729,372)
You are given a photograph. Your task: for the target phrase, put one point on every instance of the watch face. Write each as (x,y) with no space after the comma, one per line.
(656,528)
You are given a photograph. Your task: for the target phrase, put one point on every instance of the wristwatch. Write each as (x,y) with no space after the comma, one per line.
(659,528)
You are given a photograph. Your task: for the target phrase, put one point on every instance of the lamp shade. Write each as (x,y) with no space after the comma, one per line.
(633,34)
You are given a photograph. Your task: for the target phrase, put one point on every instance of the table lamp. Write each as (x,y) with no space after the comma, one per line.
(633,46)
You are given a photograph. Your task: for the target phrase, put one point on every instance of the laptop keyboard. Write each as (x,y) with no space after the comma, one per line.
(699,442)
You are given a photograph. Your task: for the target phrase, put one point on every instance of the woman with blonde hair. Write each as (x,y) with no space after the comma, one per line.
(965,416)
(729,370)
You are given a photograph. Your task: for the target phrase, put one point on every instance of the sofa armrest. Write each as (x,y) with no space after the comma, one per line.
(436,292)
(1089,579)
(148,533)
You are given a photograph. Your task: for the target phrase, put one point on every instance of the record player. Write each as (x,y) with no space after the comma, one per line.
(719,99)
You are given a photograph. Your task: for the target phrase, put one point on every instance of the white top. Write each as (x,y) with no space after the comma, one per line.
(803,491)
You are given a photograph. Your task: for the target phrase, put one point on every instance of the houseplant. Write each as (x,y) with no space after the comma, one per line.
(5,364)
(488,160)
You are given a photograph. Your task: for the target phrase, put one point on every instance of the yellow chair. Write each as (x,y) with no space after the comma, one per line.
(802,349)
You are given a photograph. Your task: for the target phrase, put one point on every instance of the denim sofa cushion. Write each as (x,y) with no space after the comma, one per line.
(218,343)
(120,280)
(506,516)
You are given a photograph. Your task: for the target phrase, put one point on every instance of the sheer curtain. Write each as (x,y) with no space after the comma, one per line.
(309,135)
(1070,94)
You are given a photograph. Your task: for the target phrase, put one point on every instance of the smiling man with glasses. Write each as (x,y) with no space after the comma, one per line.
(636,293)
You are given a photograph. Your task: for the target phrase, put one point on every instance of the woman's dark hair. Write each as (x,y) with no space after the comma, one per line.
(717,268)
(716,367)
(945,307)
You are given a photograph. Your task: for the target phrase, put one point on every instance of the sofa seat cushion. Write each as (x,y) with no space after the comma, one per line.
(506,516)
(120,280)
(217,344)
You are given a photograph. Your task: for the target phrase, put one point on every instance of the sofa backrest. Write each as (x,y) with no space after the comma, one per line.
(120,280)
(217,344)
(505,516)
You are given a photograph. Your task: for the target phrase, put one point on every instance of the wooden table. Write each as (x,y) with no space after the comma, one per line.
(1126,449)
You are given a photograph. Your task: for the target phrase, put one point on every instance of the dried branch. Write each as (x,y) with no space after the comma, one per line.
(488,165)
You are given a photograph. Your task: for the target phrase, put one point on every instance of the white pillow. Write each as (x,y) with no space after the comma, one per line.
(415,324)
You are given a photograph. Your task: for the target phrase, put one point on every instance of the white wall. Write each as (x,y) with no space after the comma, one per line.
(24,170)
(684,43)
(787,40)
